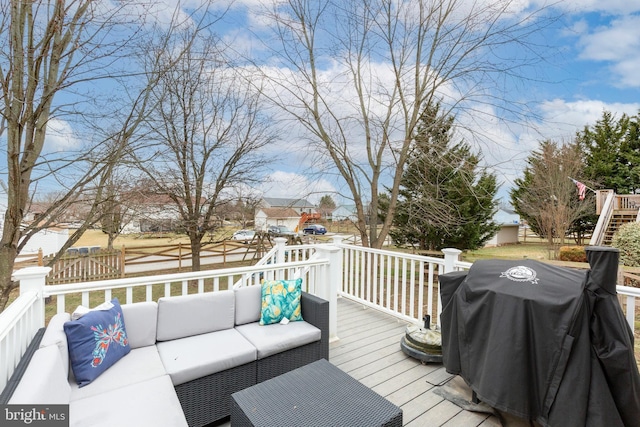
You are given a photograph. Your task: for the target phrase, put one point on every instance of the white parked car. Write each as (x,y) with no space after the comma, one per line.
(244,235)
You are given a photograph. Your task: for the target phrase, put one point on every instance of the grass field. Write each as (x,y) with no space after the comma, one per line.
(98,238)
(533,249)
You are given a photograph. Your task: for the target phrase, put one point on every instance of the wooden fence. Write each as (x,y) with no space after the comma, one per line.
(102,264)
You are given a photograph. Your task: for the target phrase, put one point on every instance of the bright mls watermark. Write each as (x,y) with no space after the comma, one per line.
(34,415)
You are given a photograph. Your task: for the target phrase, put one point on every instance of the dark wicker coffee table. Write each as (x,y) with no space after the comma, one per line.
(318,394)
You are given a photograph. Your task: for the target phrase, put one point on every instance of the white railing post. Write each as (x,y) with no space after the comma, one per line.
(337,239)
(32,279)
(281,243)
(329,283)
(451,257)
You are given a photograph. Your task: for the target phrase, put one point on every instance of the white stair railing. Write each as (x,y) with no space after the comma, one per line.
(603,221)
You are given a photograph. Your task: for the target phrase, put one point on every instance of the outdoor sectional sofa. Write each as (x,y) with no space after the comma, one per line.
(188,355)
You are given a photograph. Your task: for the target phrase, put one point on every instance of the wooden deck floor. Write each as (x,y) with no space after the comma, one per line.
(368,349)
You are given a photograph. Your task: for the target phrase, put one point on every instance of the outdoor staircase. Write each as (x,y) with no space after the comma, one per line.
(618,218)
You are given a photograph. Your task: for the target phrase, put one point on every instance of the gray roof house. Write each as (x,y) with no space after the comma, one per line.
(299,205)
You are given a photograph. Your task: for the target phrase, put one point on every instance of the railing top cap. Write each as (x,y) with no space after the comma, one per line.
(30,272)
(451,251)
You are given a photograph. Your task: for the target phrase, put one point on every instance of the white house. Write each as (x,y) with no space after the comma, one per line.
(276,216)
(509,223)
(50,240)
(151,213)
(344,212)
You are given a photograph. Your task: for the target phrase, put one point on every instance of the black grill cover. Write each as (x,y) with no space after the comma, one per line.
(542,342)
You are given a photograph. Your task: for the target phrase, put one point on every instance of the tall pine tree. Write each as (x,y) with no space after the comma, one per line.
(446,199)
(612,153)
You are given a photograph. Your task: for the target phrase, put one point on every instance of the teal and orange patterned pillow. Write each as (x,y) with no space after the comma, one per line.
(281,299)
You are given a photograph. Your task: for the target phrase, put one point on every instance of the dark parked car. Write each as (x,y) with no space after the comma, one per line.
(280,230)
(314,229)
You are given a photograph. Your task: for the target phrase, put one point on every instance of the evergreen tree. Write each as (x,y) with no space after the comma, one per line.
(612,153)
(326,205)
(445,199)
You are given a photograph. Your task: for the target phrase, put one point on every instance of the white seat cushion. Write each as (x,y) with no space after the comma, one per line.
(140,321)
(276,338)
(248,303)
(44,381)
(194,357)
(187,315)
(149,403)
(54,335)
(141,364)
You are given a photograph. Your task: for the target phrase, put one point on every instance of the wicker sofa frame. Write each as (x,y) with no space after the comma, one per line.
(208,399)
(196,396)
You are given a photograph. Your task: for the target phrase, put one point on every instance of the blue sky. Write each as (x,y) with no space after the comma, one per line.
(594,65)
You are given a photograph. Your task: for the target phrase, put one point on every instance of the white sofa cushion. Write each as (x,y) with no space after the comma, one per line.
(140,320)
(197,356)
(141,364)
(44,381)
(188,315)
(149,403)
(54,335)
(276,338)
(248,302)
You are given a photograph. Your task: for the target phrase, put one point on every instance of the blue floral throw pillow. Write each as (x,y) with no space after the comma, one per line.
(96,341)
(281,299)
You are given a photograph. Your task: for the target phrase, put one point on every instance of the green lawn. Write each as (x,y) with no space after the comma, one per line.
(534,250)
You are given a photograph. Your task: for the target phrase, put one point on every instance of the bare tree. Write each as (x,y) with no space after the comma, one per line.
(51,48)
(204,137)
(546,195)
(118,205)
(356,74)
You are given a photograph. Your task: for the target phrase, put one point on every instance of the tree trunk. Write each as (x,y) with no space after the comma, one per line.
(8,255)
(196,245)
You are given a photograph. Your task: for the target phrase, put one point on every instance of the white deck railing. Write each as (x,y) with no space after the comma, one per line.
(19,323)
(399,284)
(403,285)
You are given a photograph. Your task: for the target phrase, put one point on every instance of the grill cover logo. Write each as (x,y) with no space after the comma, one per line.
(521,274)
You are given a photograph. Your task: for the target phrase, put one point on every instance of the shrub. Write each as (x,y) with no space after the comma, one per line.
(627,239)
(572,253)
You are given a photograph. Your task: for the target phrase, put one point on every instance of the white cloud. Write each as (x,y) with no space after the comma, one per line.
(293,185)
(60,137)
(613,7)
(617,43)
(563,119)
(560,121)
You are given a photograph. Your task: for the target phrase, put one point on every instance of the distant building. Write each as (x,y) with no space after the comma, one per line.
(344,213)
(298,205)
(149,212)
(276,216)
(49,240)
(509,223)
(283,211)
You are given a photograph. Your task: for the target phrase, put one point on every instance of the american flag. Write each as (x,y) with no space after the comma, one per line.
(582,189)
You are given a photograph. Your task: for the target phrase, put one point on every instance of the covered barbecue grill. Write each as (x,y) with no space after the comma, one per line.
(541,342)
